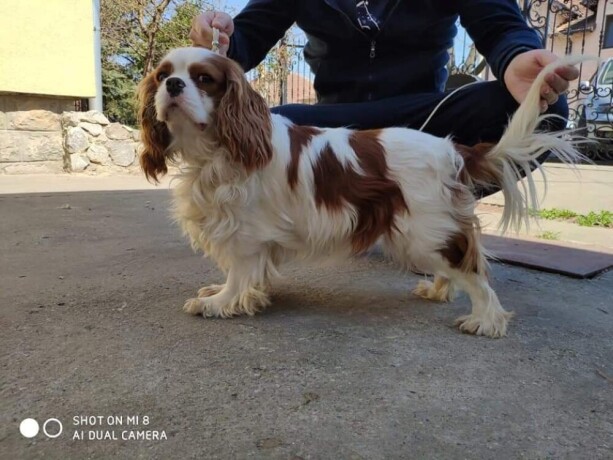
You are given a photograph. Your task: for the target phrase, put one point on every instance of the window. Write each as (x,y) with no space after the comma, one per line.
(607,41)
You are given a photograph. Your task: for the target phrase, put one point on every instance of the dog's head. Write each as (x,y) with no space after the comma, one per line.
(195,92)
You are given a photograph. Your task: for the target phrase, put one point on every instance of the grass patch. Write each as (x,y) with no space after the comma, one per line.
(554,213)
(592,219)
(548,235)
(596,219)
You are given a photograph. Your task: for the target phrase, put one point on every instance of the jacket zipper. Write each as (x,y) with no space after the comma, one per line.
(373,53)
(373,42)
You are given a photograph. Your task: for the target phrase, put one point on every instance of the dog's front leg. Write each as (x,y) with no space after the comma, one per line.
(243,293)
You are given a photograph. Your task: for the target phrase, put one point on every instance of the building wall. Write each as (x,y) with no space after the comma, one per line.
(15,102)
(588,43)
(47,47)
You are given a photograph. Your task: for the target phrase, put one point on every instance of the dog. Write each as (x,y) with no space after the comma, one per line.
(255,190)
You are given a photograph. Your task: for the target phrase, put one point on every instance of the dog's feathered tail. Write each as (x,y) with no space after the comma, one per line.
(500,165)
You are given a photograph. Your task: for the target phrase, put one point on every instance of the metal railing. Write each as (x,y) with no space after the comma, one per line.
(284,77)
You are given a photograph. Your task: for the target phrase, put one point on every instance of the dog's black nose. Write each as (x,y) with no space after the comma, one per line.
(174,86)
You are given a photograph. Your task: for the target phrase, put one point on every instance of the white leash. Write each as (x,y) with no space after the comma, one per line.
(438,106)
(215,43)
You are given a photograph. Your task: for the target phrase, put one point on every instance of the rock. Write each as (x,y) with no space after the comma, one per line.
(76,140)
(92,128)
(38,167)
(136,135)
(122,153)
(70,119)
(3,121)
(21,146)
(95,117)
(98,154)
(78,162)
(34,120)
(117,132)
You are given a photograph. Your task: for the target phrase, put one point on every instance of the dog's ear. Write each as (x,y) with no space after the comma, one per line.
(155,136)
(243,121)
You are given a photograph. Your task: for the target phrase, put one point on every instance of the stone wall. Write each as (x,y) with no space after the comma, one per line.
(41,141)
(31,142)
(91,143)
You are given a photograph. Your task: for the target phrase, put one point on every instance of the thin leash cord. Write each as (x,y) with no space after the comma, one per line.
(215,43)
(445,99)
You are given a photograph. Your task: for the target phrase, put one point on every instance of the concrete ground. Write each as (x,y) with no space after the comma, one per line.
(588,188)
(583,189)
(344,364)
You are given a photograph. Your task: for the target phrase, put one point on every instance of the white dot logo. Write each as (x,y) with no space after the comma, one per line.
(59,428)
(28,428)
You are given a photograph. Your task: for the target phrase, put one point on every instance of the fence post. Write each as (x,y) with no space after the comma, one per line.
(283,79)
(283,91)
(526,10)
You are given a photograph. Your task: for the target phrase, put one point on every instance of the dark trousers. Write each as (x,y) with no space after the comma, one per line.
(477,113)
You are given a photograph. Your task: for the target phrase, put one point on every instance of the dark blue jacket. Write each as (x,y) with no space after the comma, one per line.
(407,56)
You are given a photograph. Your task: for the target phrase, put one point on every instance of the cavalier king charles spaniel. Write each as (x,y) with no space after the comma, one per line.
(255,190)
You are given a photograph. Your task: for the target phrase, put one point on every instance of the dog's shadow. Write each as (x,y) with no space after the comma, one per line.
(368,287)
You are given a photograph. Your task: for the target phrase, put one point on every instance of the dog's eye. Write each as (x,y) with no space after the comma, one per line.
(162,76)
(205,78)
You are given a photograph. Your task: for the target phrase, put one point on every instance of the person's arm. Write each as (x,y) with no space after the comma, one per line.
(257,28)
(499,31)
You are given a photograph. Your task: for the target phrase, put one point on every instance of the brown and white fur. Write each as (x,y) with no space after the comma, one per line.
(255,190)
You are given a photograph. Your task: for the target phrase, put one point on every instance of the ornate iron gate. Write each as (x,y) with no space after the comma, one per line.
(582,27)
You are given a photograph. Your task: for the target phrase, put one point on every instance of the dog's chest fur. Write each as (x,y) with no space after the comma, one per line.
(207,200)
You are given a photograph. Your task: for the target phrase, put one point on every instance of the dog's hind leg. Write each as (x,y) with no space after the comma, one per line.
(459,261)
(487,317)
(465,265)
(440,290)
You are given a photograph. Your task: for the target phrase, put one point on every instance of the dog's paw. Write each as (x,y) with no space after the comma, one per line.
(207,307)
(439,291)
(193,306)
(226,305)
(208,291)
(494,326)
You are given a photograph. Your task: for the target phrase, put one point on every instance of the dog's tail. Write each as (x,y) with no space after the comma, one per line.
(500,165)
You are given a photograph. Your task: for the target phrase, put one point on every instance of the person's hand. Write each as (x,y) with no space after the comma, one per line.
(524,68)
(202,30)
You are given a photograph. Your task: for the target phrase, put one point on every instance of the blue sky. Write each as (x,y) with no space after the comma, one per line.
(237,5)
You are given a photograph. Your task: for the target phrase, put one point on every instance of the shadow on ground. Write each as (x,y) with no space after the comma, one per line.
(345,364)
